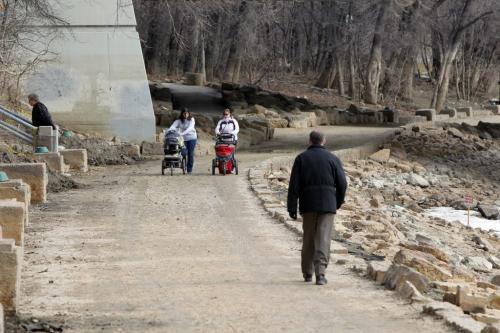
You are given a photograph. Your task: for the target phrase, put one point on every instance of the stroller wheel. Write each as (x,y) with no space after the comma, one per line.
(214,165)
(171,170)
(162,170)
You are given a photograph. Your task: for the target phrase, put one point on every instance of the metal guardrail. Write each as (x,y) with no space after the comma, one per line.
(20,120)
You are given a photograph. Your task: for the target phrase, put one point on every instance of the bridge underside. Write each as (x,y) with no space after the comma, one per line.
(98,82)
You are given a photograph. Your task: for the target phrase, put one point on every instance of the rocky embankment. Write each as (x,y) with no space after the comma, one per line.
(385,219)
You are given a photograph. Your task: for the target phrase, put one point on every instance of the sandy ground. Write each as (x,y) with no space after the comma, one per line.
(139,252)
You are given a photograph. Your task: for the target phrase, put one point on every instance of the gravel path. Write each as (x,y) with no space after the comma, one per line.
(138,252)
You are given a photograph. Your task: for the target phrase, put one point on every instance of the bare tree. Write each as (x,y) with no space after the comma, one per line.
(23,43)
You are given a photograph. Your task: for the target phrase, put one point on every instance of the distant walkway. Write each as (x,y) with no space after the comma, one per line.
(196,98)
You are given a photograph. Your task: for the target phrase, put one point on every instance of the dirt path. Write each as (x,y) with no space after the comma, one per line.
(138,252)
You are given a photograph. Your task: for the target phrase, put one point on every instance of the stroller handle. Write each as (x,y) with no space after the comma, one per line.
(225,138)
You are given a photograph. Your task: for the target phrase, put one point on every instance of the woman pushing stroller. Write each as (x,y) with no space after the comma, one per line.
(228,125)
(225,144)
(185,125)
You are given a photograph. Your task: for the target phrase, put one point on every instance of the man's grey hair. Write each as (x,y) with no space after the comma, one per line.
(33,97)
(317,137)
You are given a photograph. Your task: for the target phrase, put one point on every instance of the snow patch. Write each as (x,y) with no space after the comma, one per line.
(476,220)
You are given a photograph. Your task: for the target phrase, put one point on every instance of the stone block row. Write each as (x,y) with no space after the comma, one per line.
(15,199)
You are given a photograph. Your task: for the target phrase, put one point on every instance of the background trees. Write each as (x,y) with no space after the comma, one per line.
(375,48)
(23,44)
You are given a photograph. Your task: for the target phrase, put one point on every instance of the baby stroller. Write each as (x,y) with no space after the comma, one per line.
(173,149)
(225,145)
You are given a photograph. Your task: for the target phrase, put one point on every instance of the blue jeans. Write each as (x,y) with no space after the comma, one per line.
(189,151)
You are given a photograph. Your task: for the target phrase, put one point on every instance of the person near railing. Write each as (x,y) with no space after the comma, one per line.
(40,115)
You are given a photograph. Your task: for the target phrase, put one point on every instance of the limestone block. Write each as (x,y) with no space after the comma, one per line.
(495,109)
(468,111)
(453,316)
(54,161)
(322,117)
(10,262)
(33,174)
(424,264)
(398,274)
(483,113)
(437,253)
(76,159)
(12,216)
(377,270)
(16,189)
(430,114)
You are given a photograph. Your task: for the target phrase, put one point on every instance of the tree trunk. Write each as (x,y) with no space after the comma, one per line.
(352,75)
(375,63)
(325,79)
(442,85)
(340,75)
(203,67)
(190,61)
(237,70)
(232,62)
(233,65)
(407,84)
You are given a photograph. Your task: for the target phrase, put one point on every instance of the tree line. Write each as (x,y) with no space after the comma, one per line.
(370,50)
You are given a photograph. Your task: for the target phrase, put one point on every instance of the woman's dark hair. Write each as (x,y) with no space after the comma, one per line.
(183,110)
(228,109)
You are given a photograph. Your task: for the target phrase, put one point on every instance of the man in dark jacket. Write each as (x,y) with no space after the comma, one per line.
(40,115)
(318,182)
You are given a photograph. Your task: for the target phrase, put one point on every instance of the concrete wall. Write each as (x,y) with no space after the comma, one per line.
(97,82)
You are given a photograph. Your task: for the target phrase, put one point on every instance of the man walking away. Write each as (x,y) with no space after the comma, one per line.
(40,115)
(318,182)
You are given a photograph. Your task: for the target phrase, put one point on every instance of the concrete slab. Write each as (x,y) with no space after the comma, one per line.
(12,216)
(430,114)
(76,159)
(54,161)
(19,191)
(10,274)
(33,174)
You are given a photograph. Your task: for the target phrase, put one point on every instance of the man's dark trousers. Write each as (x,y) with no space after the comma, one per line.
(316,242)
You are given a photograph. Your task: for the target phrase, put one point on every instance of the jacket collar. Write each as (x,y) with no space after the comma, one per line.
(316,146)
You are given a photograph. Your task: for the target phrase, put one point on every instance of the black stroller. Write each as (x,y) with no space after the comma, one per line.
(173,149)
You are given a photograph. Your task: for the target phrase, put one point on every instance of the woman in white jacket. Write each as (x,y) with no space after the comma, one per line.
(228,125)
(185,126)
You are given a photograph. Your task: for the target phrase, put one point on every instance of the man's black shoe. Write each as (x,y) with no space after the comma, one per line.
(321,280)
(308,277)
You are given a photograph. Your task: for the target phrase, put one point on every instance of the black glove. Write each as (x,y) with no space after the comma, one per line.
(293,215)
